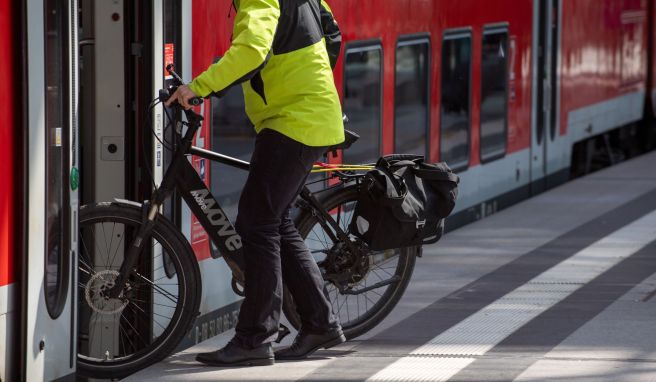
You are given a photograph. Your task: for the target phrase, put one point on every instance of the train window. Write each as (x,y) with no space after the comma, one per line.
(411,97)
(57,131)
(363,70)
(455,105)
(232,134)
(494,93)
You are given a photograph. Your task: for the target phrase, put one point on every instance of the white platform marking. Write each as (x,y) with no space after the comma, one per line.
(453,350)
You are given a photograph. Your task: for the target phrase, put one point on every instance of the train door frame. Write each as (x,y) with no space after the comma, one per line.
(545,103)
(135,31)
(171,44)
(48,333)
(13,234)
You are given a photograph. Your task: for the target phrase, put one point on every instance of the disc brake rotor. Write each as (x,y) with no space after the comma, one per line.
(94,293)
(345,267)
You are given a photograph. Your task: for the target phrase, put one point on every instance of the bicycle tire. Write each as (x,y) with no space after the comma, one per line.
(393,293)
(180,257)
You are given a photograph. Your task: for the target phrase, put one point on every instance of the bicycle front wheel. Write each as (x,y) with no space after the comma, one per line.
(363,285)
(156,308)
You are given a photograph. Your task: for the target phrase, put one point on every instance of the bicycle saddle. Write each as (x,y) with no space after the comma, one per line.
(351,138)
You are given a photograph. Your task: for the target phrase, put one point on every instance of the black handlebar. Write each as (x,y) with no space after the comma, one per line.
(165,94)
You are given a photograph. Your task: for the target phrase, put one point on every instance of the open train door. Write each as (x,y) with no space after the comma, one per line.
(124,47)
(545,58)
(48,340)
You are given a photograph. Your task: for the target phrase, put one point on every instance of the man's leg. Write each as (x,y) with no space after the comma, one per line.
(303,279)
(279,168)
(319,326)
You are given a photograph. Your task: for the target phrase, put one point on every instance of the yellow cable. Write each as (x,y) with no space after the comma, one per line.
(341,169)
(361,166)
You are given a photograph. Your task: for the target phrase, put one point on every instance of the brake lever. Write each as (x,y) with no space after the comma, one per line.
(196,101)
(164,95)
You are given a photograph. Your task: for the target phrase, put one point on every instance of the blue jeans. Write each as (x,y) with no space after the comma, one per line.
(273,249)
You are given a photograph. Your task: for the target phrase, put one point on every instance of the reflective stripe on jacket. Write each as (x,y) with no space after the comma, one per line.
(283,52)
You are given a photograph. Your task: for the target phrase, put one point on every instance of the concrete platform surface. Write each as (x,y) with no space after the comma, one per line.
(561,287)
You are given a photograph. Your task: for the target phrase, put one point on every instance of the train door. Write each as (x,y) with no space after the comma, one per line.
(49,285)
(125,47)
(104,108)
(545,59)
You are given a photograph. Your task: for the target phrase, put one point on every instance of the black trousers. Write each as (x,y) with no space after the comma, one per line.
(273,249)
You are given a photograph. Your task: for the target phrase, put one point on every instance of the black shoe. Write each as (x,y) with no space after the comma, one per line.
(306,344)
(234,355)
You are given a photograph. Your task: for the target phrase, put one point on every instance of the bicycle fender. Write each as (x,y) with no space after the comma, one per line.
(128,202)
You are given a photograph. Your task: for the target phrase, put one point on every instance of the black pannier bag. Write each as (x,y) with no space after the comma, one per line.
(403,202)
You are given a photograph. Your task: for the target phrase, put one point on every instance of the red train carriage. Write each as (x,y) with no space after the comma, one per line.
(502,93)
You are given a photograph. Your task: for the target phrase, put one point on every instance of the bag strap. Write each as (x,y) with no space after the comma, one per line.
(422,173)
(384,166)
(437,175)
(400,157)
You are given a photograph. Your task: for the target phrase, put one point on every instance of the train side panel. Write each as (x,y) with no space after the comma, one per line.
(435,18)
(367,20)
(603,69)
(9,224)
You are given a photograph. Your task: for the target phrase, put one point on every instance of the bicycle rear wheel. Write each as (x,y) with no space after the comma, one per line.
(119,336)
(363,285)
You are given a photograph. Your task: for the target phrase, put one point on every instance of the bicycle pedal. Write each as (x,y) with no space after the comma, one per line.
(283,332)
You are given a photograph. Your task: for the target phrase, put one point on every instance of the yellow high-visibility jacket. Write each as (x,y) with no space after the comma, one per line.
(283,52)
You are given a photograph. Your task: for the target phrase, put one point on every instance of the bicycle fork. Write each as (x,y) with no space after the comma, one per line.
(135,249)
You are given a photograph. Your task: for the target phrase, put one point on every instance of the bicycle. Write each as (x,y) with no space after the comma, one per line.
(140,297)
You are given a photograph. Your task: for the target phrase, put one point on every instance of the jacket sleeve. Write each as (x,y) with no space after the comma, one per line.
(331,33)
(255,26)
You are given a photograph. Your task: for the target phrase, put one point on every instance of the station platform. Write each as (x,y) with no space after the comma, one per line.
(561,287)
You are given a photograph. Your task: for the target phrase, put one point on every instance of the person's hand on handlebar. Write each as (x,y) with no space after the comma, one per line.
(182,95)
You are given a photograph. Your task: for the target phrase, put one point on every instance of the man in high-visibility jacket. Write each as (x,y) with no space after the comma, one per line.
(282,53)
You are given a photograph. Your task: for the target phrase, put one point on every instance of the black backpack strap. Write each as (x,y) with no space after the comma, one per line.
(400,157)
(436,175)
(384,166)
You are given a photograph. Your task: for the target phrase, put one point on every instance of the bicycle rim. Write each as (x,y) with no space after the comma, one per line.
(138,323)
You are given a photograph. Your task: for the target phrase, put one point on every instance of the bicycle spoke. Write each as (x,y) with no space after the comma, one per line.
(134,330)
(125,335)
(161,290)
(376,273)
(367,298)
(117,248)
(105,240)
(95,241)
(385,270)
(154,303)
(348,316)
(134,306)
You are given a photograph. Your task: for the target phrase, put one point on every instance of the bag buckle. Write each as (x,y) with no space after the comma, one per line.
(420,223)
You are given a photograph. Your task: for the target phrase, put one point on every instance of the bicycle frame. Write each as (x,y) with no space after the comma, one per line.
(182,176)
